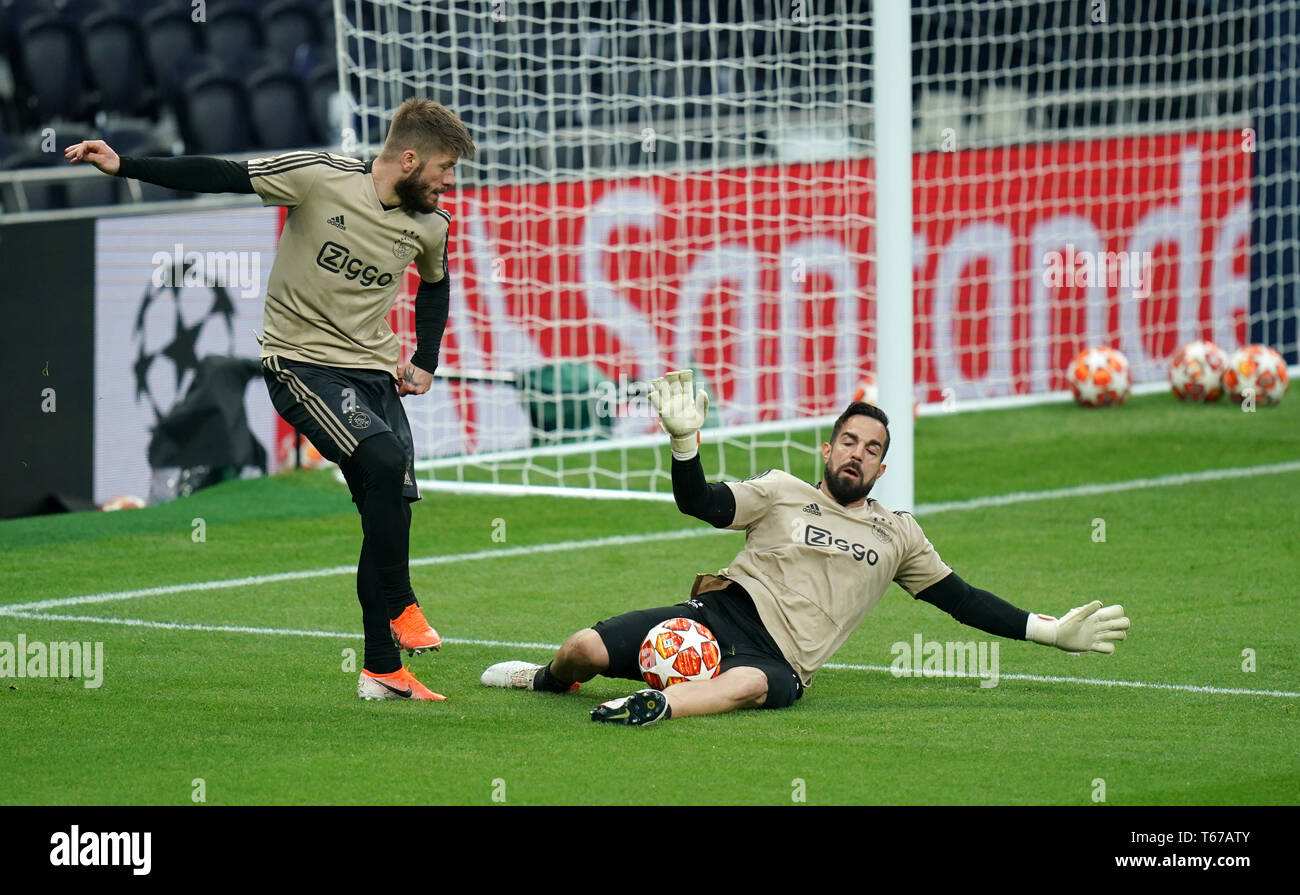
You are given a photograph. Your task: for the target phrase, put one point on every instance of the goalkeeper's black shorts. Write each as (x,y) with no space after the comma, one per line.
(730,614)
(338,408)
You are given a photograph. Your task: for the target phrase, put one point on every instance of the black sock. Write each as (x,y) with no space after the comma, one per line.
(380,666)
(549,683)
(381,655)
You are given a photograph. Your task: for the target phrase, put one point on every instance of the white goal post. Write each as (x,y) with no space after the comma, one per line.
(755,189)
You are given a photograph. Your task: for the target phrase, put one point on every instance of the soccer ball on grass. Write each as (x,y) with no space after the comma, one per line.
(1196,372)
(679,650)
(1256,370)
(1099,377)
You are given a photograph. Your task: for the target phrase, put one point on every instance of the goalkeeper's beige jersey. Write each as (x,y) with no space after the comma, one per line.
(815,569)
(340,261)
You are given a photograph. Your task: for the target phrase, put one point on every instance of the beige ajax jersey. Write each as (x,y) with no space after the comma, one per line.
(340,261)
(815,569)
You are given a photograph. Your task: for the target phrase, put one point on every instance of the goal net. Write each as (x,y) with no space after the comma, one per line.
(664,184)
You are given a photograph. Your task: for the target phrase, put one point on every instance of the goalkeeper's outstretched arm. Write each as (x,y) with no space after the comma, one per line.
(681,412)
(711,502)
(193,173)
(1087,629)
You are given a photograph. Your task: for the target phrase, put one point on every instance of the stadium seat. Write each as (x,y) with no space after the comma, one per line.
(288,25)
(170,40)
(279,108)
(325,21)
(10,145)
(52,65)
(88,192)
(322,87)
(116,62)
(216,118)
(240,62)
(13,14)
(77,11)
(229,31)
(138,9)
(8,115)
(130,136)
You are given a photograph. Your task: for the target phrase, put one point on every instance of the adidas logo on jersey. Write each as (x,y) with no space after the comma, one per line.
(336,221)
(813,509)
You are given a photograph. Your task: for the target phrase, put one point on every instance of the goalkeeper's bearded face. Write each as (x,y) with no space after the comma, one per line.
(854,460)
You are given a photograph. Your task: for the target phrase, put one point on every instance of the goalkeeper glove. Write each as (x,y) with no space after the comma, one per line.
(1085,629)
(681,410)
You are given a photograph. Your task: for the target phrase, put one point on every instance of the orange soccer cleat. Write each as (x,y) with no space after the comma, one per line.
(399,684)
(411,631)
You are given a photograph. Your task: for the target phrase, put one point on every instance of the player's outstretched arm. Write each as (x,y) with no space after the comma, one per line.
(1086,629)
(681,413)
(192,173)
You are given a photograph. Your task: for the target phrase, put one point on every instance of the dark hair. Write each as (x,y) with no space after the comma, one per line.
(861,408)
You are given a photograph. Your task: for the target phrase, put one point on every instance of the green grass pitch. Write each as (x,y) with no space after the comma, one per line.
(249,697)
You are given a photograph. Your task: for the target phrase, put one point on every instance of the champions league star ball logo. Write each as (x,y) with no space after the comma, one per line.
(175,326)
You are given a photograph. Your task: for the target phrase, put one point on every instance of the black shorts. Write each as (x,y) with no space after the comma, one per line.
(338,408)
(731,616)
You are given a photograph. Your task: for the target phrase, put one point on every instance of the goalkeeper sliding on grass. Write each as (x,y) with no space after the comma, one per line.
(817,559)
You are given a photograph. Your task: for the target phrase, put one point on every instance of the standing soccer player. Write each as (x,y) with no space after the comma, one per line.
(331,362)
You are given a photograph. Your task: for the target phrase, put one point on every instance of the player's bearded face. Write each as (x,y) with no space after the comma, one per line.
(854,461)
(847,482)
(416,193)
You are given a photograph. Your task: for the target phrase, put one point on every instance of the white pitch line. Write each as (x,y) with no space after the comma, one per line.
(651,537)
(1054,679)
(290,632)
(244,629)
(253,580)
(1163,481)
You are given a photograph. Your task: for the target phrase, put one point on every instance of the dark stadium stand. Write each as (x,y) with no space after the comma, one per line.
(261,76)
(144,75)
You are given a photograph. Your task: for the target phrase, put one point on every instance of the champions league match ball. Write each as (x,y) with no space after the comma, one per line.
(1256,370)
(1196,372)
(867,390)
(1099,377)
(679,650)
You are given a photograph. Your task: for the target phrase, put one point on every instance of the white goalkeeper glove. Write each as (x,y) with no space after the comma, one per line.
(1087,629)
(681,410)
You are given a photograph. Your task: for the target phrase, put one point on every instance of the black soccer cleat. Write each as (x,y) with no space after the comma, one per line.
(641,708)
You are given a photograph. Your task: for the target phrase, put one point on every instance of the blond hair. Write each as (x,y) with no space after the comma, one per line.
(428,128)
